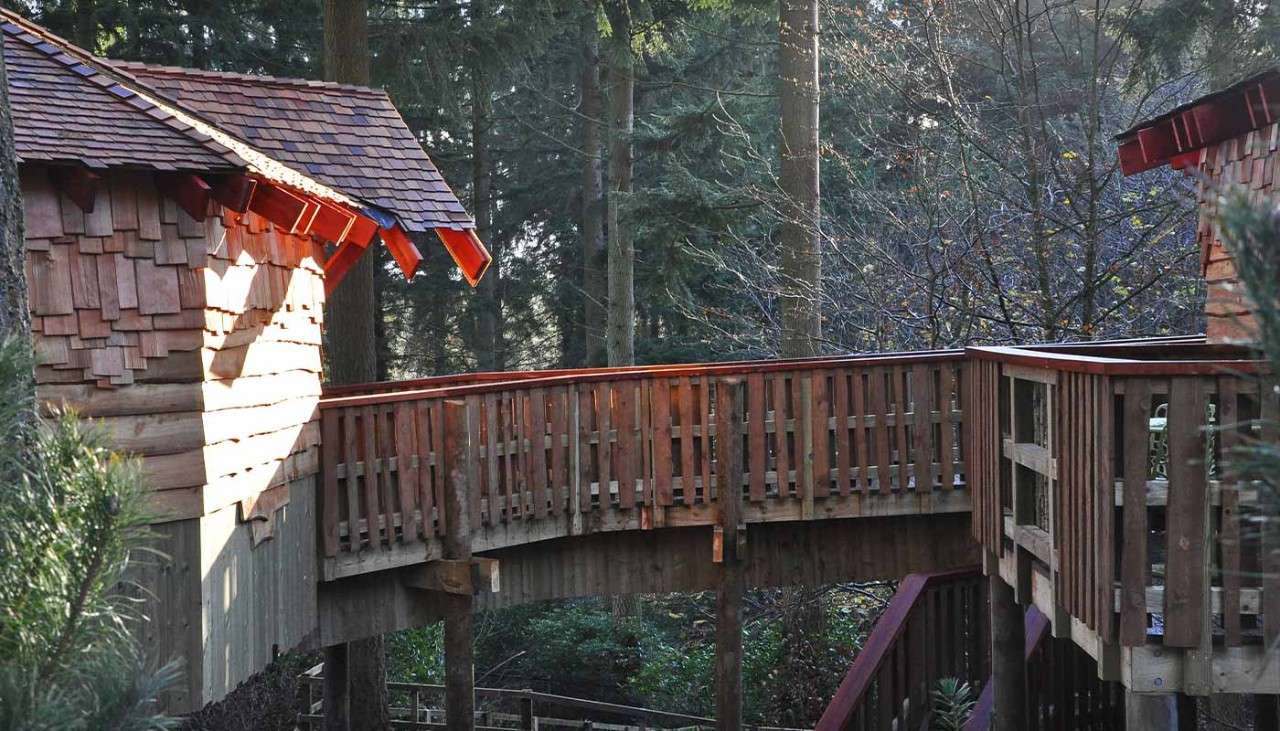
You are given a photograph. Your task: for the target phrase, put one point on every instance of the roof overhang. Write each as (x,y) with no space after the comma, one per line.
(1175,138)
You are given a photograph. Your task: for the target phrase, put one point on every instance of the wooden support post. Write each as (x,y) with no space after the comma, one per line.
(335,703)
(459,665)
(730,585)
(1150,711)
(527,720)
(1008,656)
(1266,711)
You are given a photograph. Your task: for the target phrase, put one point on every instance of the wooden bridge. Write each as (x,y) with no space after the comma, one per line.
(673,478)
(614,481)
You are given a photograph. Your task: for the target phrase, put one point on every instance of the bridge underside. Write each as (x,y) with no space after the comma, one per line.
(661,561)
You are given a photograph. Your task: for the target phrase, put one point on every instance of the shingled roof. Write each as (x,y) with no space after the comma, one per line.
(65,110)
(350,137)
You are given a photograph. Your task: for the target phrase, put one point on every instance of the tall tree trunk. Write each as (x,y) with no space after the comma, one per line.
(86,25)
(489,350)
(622,293)
(15,318)
(198,28)
(352,344)
(801,239)
(801,234)
(594,254)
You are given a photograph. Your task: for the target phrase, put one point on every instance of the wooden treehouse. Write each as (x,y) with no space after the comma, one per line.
(183,227)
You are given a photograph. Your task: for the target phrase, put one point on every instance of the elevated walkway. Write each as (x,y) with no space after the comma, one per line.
(610,481)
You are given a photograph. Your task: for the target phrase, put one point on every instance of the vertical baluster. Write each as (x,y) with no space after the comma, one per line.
(782,452)
(406,470)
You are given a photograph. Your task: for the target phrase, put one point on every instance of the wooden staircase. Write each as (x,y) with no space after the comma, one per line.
(937,626)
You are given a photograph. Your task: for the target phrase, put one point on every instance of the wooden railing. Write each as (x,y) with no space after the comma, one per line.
(634,448)
(1063,687)
(419,706)
(935,627)
(1107,469)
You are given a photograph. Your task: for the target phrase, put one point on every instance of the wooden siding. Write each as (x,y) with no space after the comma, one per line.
(194,344)
(1246,165)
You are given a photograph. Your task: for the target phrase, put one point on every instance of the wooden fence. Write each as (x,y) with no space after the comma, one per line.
(1113,474)
(419,706)
(639,440)
(935,627)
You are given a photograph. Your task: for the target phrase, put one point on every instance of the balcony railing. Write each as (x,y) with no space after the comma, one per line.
(599,449)
(1102,477)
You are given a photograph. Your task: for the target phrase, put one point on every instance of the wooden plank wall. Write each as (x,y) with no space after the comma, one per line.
(196,345)
(564,450)
(1244,164)
(1085,510)
(983,450)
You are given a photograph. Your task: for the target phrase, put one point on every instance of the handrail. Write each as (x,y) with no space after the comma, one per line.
(882,642)
(1037,629)
(1210,362)
(532,379)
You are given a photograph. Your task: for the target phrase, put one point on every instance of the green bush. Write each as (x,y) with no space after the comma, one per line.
(72,516)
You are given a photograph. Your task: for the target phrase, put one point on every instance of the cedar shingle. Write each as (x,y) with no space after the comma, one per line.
(351,138)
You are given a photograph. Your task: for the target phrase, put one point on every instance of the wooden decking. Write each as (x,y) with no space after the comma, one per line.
(564,453)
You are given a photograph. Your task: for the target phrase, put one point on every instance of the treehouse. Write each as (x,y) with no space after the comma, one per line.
(183,228)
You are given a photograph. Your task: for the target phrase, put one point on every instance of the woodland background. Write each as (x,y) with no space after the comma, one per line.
(970,193)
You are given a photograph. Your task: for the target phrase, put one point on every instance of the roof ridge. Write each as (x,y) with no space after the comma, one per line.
(83,64)
(143,98)
(247,78)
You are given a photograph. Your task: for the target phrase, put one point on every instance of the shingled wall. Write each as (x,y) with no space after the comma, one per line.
(1242,164)
(196,346)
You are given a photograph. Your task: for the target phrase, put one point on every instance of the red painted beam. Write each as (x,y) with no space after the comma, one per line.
(78,184)
(468,252)
(339,264)
(284,208)
(190,192)
(233,191)
(402,250)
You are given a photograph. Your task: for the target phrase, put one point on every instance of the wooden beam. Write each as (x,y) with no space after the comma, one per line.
(189,191)
(339,264)
(77,183)
(333,222)
(468,252)
(284,208)
(233,191)
(455,576)
(402,250)
(459,661)
(730,585)
(1008,657)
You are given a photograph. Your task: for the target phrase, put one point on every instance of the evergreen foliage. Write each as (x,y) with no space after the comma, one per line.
(72,518)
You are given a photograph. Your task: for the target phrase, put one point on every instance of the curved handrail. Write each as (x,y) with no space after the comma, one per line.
(488,382)
(882,644)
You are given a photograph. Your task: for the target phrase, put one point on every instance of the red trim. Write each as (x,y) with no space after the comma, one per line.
(1172,138)
(279,206)
(332,222)
(78,184)
(339,264)
(402,250)
(189,191)
(468,252)
(234,191)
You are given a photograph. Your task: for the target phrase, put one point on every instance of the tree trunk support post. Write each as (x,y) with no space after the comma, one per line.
(732,542)
(335,701)
(1008,654)
(459,662)
(1150,711)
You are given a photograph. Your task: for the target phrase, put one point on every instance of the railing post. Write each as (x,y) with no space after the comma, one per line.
(527,720)
(730,584)
(459,667)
